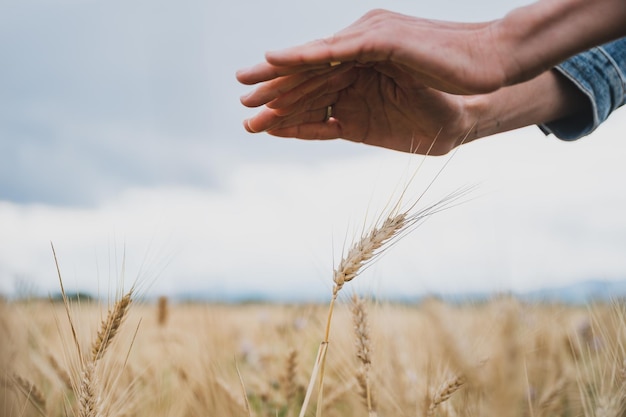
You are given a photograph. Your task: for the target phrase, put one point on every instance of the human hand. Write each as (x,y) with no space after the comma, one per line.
(388,79)
(460,58)
(389,91)
(383,105)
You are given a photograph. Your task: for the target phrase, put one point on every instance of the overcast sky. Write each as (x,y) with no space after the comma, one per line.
(120,132)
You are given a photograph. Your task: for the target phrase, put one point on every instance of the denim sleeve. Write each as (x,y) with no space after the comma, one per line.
(600,74)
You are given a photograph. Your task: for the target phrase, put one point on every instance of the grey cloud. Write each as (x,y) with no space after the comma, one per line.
(97,96)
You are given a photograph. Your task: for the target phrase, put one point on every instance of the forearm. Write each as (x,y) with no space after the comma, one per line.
(535,38)
(545,98)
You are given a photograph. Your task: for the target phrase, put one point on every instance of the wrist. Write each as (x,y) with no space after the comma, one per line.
(480,117)
(545,98)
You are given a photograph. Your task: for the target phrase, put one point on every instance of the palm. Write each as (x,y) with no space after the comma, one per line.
(400,114)
(388,109)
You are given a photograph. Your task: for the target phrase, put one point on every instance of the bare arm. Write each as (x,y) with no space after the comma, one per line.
(543,99)
(399,113)
(537,37)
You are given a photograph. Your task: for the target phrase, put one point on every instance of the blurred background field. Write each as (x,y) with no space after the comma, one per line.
(502,357)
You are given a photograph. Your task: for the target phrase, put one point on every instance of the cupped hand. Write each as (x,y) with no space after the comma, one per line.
(384,105)
(459,58)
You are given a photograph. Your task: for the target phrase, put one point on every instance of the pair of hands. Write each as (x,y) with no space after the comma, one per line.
(392,80)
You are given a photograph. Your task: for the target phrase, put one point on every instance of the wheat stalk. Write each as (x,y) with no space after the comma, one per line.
(232,396)
(363,253)
(244,393)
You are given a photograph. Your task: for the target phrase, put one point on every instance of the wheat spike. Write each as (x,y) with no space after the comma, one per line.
(31,392)
(363,352)
(162,310)
(289,380)
(88,399)
(362,253)
(60,372)
(445,391)
(366,248)
(110,327)
(361,330)
(550,398)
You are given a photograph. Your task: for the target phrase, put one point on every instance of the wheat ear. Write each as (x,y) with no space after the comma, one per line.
(88,399)
(31,392)
(162,310)
(363,352)
(60,372)
(110,326)
(365,249)
(550,397)
(359,255)
(444,392)
(363,253)
(289,380)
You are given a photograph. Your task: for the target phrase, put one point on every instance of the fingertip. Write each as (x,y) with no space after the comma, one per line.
(241,75)
(248,127)
(244,77)
(280,58)
(269,55)
(244,99)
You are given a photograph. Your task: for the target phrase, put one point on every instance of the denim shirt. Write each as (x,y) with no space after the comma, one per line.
(600,74)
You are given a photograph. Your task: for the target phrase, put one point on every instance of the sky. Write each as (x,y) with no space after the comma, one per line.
(121,144)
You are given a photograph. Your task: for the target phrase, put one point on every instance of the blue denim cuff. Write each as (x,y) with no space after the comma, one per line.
(600,74)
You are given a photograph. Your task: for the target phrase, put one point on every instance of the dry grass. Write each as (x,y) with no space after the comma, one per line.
(510,351)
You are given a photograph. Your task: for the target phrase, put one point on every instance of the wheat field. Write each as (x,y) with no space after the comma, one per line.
(351,357)
(499,358)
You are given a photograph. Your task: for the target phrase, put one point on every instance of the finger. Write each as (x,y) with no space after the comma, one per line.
(268,119)
(366,40)
(264,72)
(301,97)
(272,89)
(308,104)
(338,48)
(322,131)
(321,115)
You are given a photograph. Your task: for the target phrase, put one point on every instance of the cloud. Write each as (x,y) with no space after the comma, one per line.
(101,96)
(120,129)
(545,213)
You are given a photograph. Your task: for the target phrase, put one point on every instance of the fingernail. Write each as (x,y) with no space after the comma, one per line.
(246,125)
(244,97)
